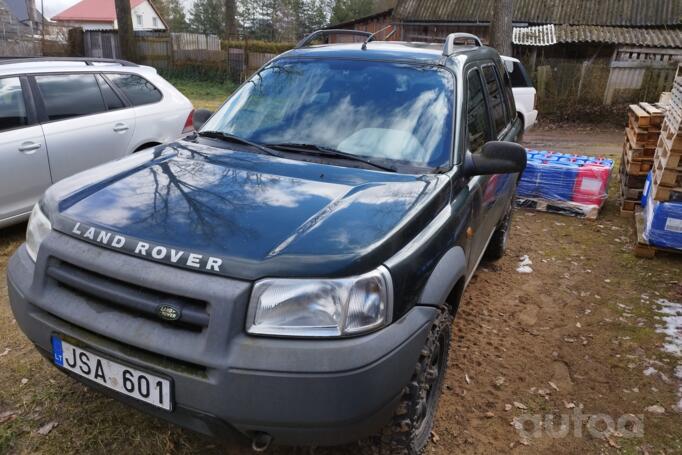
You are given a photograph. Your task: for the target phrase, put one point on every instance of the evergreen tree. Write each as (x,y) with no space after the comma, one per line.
(207,16)
(347,10)
(283,20)
(173,13)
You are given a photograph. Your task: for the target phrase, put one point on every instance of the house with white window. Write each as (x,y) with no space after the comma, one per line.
(101,15)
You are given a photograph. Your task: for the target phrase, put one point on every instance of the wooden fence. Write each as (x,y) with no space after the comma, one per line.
(642,72)
(179,51)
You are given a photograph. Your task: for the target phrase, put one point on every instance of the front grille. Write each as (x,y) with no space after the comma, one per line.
(149,303)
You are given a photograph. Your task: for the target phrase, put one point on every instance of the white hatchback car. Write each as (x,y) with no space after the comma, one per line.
(524,92)
(62,116)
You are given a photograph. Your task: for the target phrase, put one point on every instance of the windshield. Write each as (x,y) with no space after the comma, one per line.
(375,110)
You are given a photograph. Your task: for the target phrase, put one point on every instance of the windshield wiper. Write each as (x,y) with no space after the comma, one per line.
(328,152)
(239,140)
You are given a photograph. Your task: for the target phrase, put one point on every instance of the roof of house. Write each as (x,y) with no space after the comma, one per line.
(93,11)
(18,8)
(626,13)
(547,35)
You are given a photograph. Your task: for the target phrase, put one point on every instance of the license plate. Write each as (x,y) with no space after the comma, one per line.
(129,381)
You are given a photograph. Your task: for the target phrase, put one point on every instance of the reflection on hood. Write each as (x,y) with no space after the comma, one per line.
(262,215)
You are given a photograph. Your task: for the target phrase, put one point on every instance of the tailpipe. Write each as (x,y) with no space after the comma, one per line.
(261,441)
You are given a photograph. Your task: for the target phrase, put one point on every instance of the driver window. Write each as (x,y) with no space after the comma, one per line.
(477,115)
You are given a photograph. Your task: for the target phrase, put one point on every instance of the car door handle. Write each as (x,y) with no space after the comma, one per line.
(29,147)
(120,128)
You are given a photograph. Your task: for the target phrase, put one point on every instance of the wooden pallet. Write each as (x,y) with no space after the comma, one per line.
(671,136)
(641,137)
(674,115)
(636,167)
(668,177)
(642,248)
(639,155)
(628,207)
(646,116)
(633,194)
(636,154)
(562,207)
(638,116)
(670,158)
(631,181)
(664,193)
(657,114)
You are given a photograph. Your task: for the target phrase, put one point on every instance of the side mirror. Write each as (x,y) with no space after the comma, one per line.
(496,158)
(200,117)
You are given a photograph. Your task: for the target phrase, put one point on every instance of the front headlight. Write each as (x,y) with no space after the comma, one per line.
(321,307)
(38,228)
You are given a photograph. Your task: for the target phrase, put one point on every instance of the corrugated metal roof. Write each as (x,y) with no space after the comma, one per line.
(546,35)
(541,35)
(572,12)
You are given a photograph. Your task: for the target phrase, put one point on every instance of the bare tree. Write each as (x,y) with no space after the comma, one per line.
(501,27)
(126,37)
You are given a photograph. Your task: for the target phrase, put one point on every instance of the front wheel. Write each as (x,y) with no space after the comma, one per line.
(410,428)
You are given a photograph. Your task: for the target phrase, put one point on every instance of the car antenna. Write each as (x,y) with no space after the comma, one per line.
(371,37)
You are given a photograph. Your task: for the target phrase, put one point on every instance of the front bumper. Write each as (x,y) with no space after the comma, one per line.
(301,392)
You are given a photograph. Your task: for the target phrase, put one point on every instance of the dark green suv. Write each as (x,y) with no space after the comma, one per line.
(291,271)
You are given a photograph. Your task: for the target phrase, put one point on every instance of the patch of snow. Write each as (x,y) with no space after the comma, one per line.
(524,265)
(671,316)
(649,371)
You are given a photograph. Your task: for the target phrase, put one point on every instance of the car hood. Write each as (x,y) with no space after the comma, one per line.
(242,214)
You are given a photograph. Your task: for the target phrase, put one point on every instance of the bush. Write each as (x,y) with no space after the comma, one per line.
(266,47)
(205,72)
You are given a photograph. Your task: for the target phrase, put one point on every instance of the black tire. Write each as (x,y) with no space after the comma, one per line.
(500,239)
(410,428)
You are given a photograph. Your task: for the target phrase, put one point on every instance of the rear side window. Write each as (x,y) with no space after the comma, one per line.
(519,77)
(477,114)
(497,102)
(511,106)
(70,95)
(137,89)
(111,99)
(12,106)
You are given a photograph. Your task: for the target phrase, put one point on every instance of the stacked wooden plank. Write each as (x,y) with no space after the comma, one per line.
(641,138)
(666,184)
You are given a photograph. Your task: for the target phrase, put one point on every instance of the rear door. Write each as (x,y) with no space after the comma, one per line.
(85,122)
(479,131)
(24,167)
(499,187)
(158,120)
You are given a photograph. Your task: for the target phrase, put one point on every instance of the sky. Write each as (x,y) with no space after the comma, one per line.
(53,7)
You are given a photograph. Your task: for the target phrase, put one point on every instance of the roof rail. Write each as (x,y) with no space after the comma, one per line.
(449,46)
(87,60)
(318,33)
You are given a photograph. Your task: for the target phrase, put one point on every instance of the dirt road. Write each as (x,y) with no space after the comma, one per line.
(579,338)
